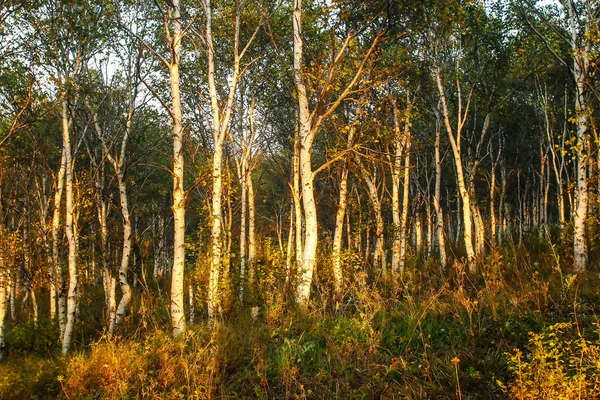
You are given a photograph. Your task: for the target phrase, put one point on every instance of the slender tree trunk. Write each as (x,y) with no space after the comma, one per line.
(220,126)
(72,258)
(3,294)
(297,198)
(177,273)
(338,232)
(396,169)
(462,187)
(338,278)
(192,303)
(580,68)
(405,198)
(290,246)
(243,204)
(418,233)
(306,139)
(126,253)
(57,284)
(379,227)
(251,223)
(437,195)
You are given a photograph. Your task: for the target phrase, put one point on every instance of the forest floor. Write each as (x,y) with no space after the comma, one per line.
(520,328)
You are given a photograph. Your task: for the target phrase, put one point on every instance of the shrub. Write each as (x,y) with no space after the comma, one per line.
(559,364)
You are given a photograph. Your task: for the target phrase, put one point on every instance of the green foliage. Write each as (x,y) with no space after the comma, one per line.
(559,363)
(33,338)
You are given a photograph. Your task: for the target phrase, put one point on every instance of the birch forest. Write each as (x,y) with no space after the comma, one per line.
(299,199)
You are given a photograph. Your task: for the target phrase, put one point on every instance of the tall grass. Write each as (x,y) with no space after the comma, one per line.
(521,323)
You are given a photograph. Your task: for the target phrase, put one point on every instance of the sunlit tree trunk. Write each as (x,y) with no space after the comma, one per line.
(437,195)
(191,298)
(220,125)
(396,170)
(341,213)
(70,233)
(242,173)
(580,69)
(405,197)
(290,245)
(57,284)
(462,187)
(306,137)
(370,181)
(3,295)
(177,273)
(251,224)
(296,197)
(338,232)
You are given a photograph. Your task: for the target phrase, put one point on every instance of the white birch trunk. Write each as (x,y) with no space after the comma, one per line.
(243,204)
(72,258)
(3,297)
(338,278)
(177,274)
(436,197)
(396,169)
(462,187)
(296,196)
(306,139)
(580,69)
(57,284)
(251,224)
(405,198)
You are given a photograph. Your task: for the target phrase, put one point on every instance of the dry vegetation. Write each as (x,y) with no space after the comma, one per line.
(520,329)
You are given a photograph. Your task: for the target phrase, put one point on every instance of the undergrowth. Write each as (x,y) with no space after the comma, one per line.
(522,328)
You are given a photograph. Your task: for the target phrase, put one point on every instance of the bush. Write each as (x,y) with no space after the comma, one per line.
(559,364)
(33,338)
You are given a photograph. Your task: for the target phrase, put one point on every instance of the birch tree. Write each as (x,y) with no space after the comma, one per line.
(308,126)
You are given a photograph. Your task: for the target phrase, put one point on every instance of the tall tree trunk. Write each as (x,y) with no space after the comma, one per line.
(306,139)
(297,198)
(244,206)
(379,225)
(460,180)
(337,236)
(126,253)
(220,126)
(72,258)
(580,69)
(57,284)
(3,293)
(338,278)
(437,196)
(251,224)
(290,246)
(177,273)
(396,169)
(405,198)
